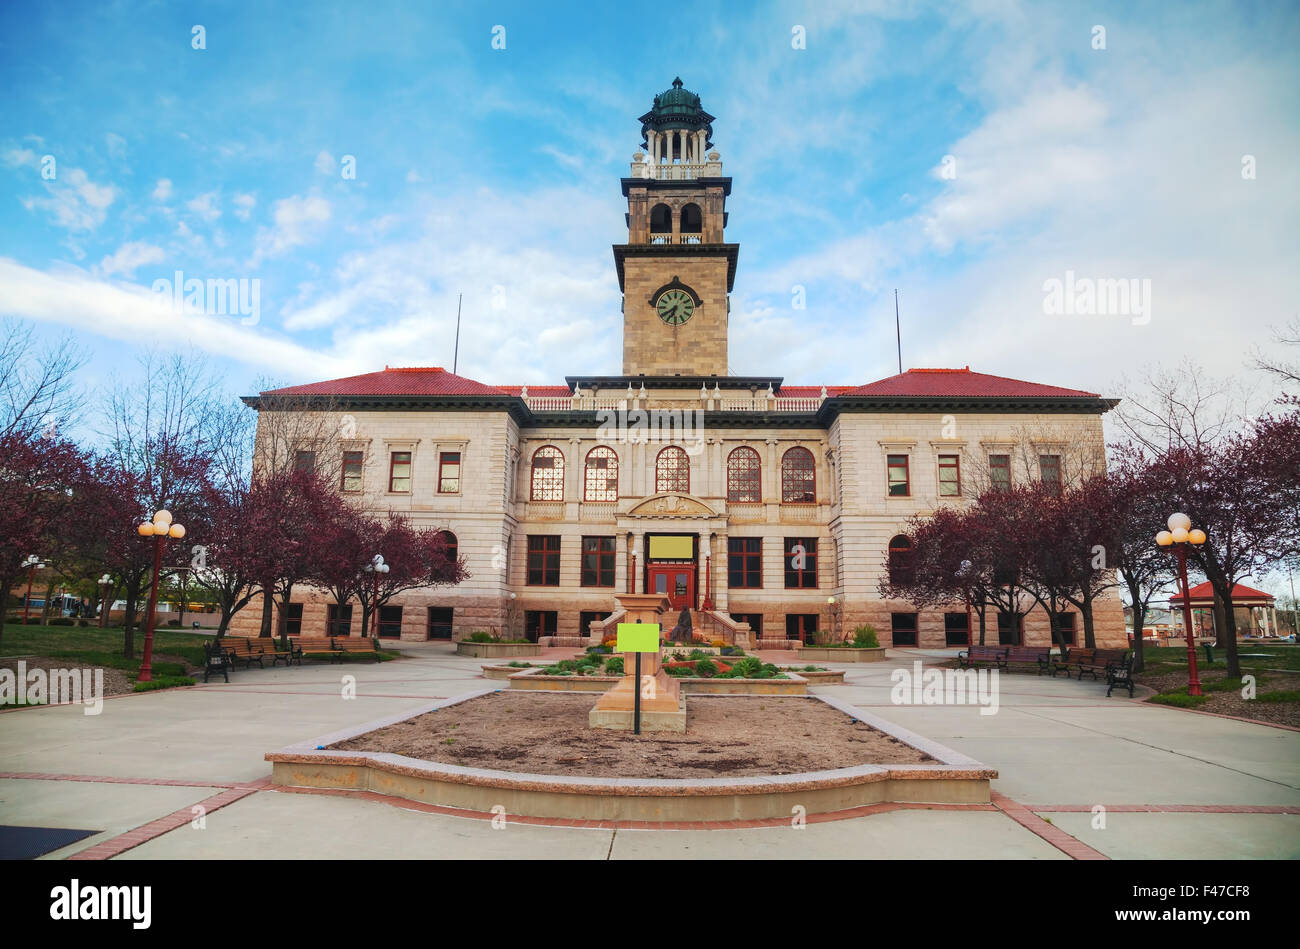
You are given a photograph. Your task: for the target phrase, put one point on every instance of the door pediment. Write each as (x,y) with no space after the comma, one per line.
(671,504)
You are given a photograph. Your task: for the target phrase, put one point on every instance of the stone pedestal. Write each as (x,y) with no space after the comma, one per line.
(663,707)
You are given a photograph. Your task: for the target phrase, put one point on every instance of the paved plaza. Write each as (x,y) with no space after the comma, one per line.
(1173,784)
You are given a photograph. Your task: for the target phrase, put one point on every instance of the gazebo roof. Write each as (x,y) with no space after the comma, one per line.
(1203,595)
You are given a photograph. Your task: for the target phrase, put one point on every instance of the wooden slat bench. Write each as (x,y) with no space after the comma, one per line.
(244,650)
(976,654)
(315,646)
(1093,662)
(357,644)
(1039,655)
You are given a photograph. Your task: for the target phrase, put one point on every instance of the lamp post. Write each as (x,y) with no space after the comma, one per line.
(160,528)
(32,563)
(833,617)
(375,567)
(1180,534)
(106,589)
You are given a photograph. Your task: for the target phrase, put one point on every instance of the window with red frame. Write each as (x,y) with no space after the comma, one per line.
(800,562)
(744,562)
(449,472)
(949,476)
(399,472)
(1000,472)
(798,477)
(543,560)
(673,471)
(899,486)
(601,476)
(548,475)
(350,477)
(744,475)
(599,555)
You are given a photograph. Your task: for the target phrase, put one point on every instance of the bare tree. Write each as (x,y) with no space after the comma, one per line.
(37,391)
(1183,408)
(1288,373)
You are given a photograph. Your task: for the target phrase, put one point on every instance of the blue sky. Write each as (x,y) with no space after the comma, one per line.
(494,173)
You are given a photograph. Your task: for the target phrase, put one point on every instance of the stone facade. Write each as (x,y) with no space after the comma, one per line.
(527,467)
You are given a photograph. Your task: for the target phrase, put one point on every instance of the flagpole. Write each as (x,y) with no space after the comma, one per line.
(455,356)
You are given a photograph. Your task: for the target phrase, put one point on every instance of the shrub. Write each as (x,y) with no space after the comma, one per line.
(864,637)
(718,644)
(163,682)
(479,636)
(706,668)
(732,651)
(614,666)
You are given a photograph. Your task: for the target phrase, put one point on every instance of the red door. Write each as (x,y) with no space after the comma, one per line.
(675,581)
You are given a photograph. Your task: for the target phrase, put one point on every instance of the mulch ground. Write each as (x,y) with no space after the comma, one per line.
(549,734)
(1231,703)
(116,682)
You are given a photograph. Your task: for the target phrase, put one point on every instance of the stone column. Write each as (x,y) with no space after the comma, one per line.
(635,560)
(772,478)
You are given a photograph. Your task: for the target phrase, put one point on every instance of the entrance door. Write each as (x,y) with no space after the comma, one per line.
(675,581)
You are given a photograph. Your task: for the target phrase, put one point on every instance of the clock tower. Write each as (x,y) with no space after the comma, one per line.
(676,270)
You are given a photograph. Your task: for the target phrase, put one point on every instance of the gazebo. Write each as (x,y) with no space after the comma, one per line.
(1256,606)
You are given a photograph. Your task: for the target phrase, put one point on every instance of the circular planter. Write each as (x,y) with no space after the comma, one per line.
(497,650)
(832,654)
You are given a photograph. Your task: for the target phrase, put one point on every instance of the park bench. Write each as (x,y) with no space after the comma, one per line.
(1039,655)
(358,644)
(315,646)
(1093,662)
(976,654)
(243,650)
(1120,674)
(215,660)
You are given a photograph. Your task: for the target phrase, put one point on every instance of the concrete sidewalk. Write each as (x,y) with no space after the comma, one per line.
(1172,784)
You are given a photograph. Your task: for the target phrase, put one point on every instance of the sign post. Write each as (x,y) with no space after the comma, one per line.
(637,638)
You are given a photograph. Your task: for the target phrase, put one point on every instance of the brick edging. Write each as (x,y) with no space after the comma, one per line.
(1066,843)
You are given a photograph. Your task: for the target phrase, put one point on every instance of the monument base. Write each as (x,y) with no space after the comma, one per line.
(660,720)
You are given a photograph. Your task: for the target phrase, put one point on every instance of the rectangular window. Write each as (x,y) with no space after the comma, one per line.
(744,562)
(586,618)
(898,482)
(304,461)
(1000,472)
(544,560)
(1064,623)
(538,623)
(802,626)
(340,620)
(903,627)
(956,629)
(350,479)
(598,556)
(449,472)
(800,562)
(390,622)
(1049,467)
(949,476)
(399,472)
(293,620)
(1010,629)
(439,618)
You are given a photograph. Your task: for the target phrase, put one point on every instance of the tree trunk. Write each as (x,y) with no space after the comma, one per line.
(45,607)
(128,626)
(283,625)
(1089,628)
(1221,623)
(1139,622)
(267,607)
(1230,647)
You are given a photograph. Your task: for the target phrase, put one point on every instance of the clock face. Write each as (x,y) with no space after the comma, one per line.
(675,307)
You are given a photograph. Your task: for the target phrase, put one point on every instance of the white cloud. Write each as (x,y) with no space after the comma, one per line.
(73,201)
(116,146)
(296,221)
(162,190)
(244,204)
(325,163)
(129,257)
(205,206)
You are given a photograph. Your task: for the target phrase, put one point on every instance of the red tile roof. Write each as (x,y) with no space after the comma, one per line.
(1205,591)
(962,383)
(433,380)
(548,391)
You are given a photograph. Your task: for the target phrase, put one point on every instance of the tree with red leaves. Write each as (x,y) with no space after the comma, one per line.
(416,558)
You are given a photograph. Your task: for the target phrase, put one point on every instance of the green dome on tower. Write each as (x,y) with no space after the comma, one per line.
(676,108)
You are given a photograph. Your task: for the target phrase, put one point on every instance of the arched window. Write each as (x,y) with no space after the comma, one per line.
(673,471)
(798,477)
(744,475)
(451,544)
(692,219)
(661,219)
(600,482)
(548,474)
(900,560)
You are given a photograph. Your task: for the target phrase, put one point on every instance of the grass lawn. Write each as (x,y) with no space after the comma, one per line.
(1276,673)
(103,647)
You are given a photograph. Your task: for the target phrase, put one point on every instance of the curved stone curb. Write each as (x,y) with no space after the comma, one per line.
(955,779)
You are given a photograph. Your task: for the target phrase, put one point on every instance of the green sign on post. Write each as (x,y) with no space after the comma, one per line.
(637,637)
